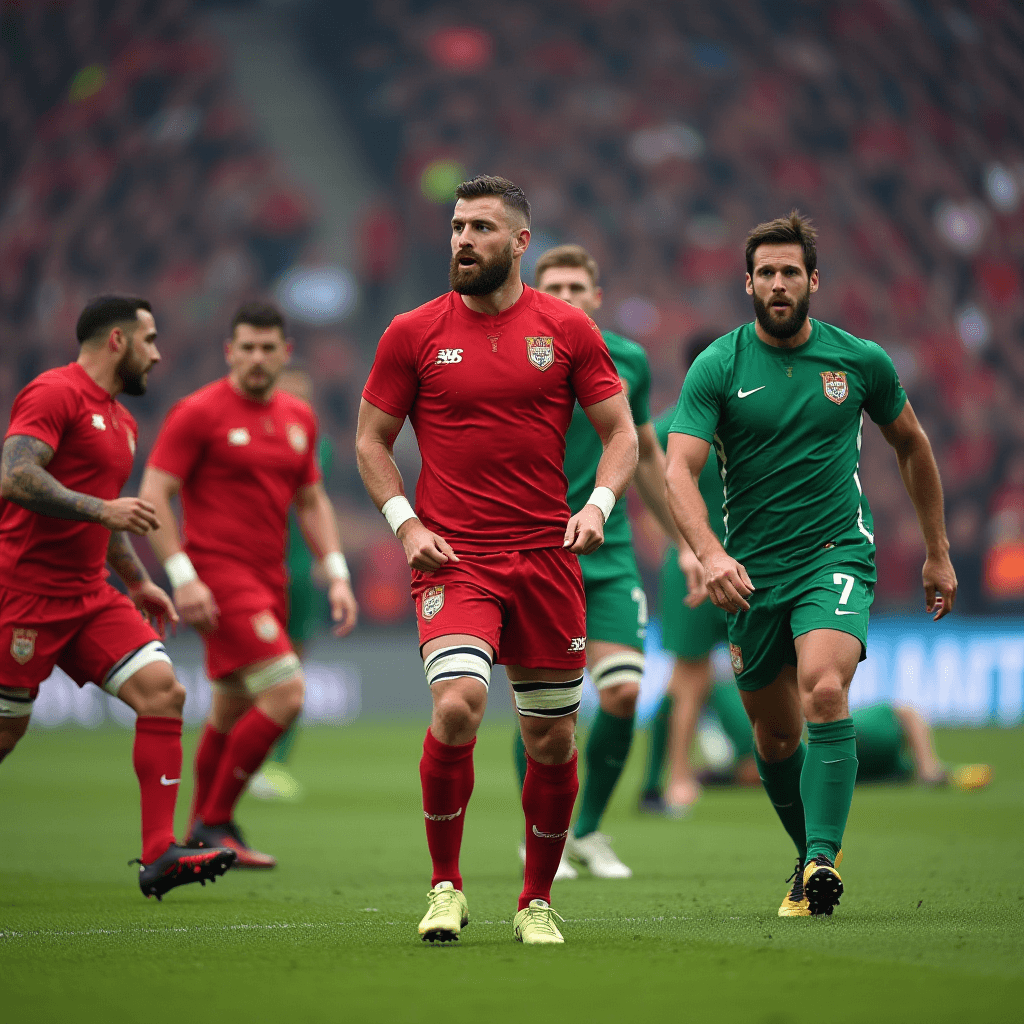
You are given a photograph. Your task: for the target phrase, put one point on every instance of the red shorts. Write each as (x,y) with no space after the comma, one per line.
(85,635)
(528,605)
(251,626)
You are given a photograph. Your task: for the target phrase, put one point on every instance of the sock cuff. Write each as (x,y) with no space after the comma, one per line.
(448,753)
(557,773)
(152,725)
(614,722)
(831,732)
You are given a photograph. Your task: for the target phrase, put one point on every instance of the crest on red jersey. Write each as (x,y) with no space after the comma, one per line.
(265,626)
(736,657)
(836,386)
(23,645)
(432,601)
(540,352)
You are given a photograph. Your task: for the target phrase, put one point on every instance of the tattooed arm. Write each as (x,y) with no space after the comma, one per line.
(123,559)
(154,604)
(25,481)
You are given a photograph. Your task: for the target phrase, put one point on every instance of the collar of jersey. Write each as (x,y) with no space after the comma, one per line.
(100,394)
(503,317)
(788,352)
(243,397)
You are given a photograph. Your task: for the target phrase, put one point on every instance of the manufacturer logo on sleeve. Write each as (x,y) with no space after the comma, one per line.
(540,352)
(23,645)
(836,386)
(736,657)
(432,601)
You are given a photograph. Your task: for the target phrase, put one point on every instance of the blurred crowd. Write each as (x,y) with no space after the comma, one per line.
(655,134)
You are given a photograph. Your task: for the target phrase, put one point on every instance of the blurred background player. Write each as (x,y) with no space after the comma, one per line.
(489,374)
(691,627)
(616,602)
(68,452)
(784,399)
(308,608)
(894,744)
(241,453)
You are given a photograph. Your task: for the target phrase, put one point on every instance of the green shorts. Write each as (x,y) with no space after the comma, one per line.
(689,633)
(617,610)
(881,745)
(307,610)
(761,639)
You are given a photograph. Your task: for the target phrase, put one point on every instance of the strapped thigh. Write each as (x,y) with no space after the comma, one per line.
(536,699)
(15,702)
(622,667)
(455,662)
(275,672)
(133,662)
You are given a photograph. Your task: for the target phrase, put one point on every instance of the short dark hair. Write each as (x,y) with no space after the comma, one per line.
(567,256)
(511,194)
(796,229)
(107,311)
(259,314)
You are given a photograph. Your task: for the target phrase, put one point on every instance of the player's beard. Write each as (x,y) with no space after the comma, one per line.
(483,277)
(132,375)
(788,326)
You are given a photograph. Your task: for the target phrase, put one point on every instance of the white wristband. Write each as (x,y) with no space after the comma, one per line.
(604,498)
(335,567)
(396,511)
(180,570)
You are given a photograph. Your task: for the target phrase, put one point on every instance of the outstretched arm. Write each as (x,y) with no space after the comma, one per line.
(375,443)
(613,422)
(25,481)
(921,478)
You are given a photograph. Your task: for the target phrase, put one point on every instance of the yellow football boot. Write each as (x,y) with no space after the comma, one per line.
(795,904)
(822,885)
(970,776)
(535,925)
(447,915)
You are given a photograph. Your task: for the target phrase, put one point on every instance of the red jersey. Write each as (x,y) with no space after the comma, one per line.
(240,463)
(490,399)
(93,437)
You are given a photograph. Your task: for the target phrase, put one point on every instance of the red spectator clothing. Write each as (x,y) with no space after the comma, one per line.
(490,399)
(93,437)
(240,463)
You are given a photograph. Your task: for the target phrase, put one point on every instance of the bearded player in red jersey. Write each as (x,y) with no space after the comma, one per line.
(240,453)
(488,375)
(67,454)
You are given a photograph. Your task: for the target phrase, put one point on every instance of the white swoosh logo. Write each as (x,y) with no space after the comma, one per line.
(164,781)
(838,612)
(549,835)
(743,394)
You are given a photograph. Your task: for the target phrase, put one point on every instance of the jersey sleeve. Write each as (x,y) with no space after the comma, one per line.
(179,445)
(640,393)
(43,411)
(593,374)
(311,471)
(700,401)
(885,395)
(393,381)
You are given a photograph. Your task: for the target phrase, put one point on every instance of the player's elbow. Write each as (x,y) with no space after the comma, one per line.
(12,487)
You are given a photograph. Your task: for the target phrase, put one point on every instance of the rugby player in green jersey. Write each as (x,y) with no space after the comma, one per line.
(616,603)
(783,400)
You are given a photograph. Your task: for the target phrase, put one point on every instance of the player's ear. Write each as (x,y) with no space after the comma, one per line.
(750,285)
(598,298)
(227,351)
(289,350)
(812,283)
(520,242)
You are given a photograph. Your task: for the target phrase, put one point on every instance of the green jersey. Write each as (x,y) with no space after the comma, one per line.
(786,426)
(583,450)
(710,481)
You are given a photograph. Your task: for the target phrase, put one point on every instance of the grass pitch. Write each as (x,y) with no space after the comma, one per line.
(931,927)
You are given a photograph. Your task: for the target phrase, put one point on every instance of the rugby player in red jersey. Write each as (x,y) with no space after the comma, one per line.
(488,375)
(240,452)
(67,454)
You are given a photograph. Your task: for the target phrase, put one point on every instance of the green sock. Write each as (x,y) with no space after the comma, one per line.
(607,750)
(519,755)
(826,784)
(282,749)
(657,745)
(782,784)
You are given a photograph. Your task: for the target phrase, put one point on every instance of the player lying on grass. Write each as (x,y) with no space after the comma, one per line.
(488,375)
(241,453)
(67,454)
(783,400)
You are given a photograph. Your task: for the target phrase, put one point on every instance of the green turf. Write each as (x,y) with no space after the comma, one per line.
(931,928)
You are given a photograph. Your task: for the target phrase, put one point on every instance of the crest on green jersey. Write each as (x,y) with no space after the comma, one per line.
(836,386)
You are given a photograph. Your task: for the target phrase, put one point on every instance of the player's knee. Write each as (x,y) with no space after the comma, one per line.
(774,743)
(283,701)
(157,693)
(620,701)
(553,742)
(825,701)
(456,713)
(11,730)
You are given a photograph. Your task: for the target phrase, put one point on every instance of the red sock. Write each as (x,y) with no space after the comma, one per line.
(446,774)
(208,755)
(548,795)
(156,757)
(247,746)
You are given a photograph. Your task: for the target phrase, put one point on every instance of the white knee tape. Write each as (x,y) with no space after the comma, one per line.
(132,663)
(453,662)
(548,700)
(15,702)
(624,667)
(278,671)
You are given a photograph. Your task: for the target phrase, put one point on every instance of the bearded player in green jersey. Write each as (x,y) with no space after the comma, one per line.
(616,603)
(783,400)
